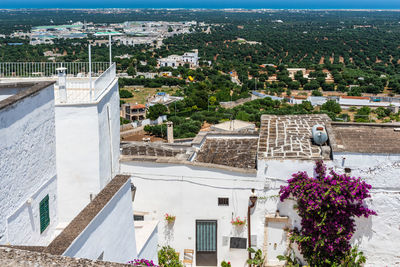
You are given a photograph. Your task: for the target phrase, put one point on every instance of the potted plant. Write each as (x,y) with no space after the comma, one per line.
(226,264)
(238,222)
(169,218)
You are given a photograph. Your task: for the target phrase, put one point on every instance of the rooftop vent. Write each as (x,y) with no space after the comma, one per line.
(319,134)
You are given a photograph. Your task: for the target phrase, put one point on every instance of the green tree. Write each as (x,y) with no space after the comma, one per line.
(331,106)
(125,93)
(316,93)
(156,111)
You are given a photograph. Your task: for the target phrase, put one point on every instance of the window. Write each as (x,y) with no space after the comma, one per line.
(44,213)
(223,201)
(138,217)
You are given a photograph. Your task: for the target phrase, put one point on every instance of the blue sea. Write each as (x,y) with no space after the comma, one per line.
(212,4)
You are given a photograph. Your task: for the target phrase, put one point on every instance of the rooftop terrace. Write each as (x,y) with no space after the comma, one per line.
(82,86)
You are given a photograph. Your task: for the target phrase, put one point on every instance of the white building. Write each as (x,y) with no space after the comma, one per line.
(73,125)
(28,177)
(174,61)
(208,182)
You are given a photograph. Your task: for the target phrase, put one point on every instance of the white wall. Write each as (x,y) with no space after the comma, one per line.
(192,193)
(150,248)
(378,235)
(77,158)
(87,147)
(111,232)
(108,128)
(27,168)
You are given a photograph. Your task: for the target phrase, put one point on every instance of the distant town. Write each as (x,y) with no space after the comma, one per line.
(199,137)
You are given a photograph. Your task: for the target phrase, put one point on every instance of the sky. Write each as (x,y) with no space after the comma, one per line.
(275,4)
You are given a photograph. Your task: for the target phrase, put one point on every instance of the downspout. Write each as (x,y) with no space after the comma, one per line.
(251,204)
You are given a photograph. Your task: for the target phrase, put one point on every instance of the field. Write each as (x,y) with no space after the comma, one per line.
(142,94)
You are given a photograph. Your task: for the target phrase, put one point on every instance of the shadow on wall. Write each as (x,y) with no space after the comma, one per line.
(363,230)
(169,232)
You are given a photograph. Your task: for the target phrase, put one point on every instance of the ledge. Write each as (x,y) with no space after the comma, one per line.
(169,160)
(61,243)
(28,89)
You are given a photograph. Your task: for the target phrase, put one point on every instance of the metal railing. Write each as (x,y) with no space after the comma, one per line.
(49,69)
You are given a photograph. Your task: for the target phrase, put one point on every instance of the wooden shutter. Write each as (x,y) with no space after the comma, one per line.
(44,213)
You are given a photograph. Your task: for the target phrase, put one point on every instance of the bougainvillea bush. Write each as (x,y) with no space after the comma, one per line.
(327,205)
(142,262)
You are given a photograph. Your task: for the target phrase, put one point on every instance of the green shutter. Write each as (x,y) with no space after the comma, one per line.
(44,213)
(206,236)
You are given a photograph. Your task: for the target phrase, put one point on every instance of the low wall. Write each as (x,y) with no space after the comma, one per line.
(104,229)
(232,104)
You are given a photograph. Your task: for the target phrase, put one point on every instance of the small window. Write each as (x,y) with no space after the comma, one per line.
(138,217)
(44,213)
(223,201)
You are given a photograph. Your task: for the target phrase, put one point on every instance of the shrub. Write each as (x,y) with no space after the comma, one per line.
(123,121)
(226,264)
(167,257)
(327,205)
(142,262)
(125,93)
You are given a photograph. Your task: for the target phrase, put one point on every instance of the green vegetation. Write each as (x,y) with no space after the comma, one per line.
(167,257)
(125,94)
(337,54)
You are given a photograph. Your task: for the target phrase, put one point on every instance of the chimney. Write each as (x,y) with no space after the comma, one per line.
(170,132)
(62,84)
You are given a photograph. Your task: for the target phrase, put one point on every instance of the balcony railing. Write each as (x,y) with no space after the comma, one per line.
(49,69)
(79,87)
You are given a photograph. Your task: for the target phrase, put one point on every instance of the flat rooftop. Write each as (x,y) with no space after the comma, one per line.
(374,138)
(290,137)
(11,93)
(232,126)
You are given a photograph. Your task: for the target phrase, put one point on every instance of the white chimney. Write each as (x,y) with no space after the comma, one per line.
(170,132)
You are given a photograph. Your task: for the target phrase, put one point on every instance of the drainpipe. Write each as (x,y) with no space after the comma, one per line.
(252,203)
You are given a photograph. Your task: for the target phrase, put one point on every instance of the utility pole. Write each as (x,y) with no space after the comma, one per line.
(109,45)
(90,72)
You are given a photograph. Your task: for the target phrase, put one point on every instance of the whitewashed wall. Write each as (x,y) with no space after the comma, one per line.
(77,158)
(108,131)
(150,248)
(192,193)
(111,232)
(27,168)
(86,138)
(378,235)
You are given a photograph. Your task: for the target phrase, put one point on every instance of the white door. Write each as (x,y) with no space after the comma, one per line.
(276,242)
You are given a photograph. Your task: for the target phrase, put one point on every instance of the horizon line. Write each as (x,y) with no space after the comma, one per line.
(201,8)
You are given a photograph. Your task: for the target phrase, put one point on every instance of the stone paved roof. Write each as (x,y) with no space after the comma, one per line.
(150,149)
(10,257)
(290,136)
(239,152)
(365,138)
